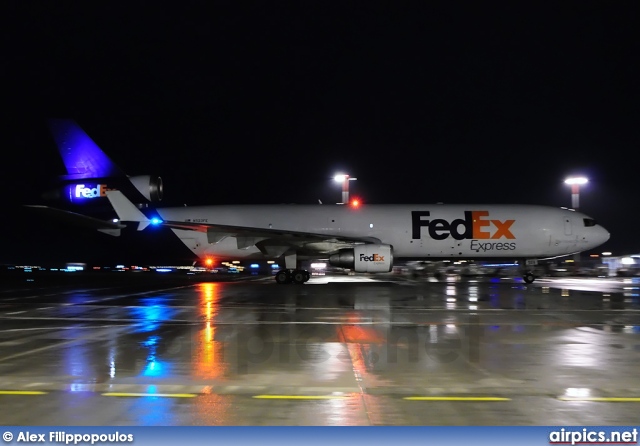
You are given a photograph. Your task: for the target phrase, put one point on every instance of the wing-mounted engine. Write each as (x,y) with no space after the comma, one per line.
(365,258)
(150,187)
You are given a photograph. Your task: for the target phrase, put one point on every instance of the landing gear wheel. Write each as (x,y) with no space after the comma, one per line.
(299,276)
(283,277)
(529,278)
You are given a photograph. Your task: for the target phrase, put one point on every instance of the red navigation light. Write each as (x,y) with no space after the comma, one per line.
(209,261)
(355,203)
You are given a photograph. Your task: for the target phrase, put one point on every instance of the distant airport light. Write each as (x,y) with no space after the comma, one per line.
(340,178)
(235,262)
(606,253)
(275,266)
(576,180)
(255,265)
(270,262)
(318,265)
(627,261)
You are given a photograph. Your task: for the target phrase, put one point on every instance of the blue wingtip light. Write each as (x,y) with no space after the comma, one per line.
(156,221)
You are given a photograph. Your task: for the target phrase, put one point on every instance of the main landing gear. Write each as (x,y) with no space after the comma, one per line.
(291,273)
(297,276)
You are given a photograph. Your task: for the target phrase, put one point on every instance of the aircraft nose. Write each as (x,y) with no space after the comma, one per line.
(602,236)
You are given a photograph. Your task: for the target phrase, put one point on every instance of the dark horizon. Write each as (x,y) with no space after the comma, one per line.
(423,103)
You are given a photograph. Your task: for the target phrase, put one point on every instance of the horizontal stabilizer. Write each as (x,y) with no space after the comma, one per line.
(76,219)
(126,210)
(113,232)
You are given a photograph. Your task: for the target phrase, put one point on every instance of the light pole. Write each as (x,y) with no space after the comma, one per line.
(575,183)
(344,179)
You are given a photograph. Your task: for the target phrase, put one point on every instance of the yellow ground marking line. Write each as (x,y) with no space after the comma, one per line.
(22,392)
(163,395)
(455,398)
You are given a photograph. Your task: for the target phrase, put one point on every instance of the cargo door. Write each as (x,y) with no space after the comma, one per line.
(568,230)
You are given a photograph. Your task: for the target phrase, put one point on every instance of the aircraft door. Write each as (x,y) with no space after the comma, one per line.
(568,230)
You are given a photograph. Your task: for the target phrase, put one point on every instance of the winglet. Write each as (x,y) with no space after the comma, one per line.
(126,210)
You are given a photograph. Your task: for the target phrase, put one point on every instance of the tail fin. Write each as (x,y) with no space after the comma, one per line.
(81,156)
(126,210)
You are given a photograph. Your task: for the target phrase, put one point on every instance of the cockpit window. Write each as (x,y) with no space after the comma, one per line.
(589,222)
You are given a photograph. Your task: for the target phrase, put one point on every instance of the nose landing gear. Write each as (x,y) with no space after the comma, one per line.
(528,277)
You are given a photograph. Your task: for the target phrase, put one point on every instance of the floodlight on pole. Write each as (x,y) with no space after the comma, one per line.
(575,183)
(344,179)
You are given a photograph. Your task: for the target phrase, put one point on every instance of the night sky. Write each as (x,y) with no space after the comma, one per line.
(262,102)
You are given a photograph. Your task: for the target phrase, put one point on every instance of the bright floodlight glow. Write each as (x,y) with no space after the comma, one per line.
(340,177)
(576,180)
(627,261)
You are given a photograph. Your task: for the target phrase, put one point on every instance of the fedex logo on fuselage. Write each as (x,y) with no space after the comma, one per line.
(475,225)
(82,191)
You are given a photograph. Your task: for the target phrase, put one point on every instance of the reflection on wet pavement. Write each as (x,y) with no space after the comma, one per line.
(337,353)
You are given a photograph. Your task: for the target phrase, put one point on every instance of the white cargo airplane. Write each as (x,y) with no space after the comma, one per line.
(365,239)
(368,238)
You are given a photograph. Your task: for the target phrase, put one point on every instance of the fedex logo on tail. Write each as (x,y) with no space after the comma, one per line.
(90,190)
(477,225)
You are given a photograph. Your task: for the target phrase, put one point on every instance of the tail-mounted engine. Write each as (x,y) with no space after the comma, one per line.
(150,187)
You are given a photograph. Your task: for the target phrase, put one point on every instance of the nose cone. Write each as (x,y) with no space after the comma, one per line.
(601,236)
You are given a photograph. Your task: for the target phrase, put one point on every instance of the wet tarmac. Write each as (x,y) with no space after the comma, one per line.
(345,350)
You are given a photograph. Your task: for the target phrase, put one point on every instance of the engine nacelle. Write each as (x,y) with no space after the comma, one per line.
(150,188)
(365,258)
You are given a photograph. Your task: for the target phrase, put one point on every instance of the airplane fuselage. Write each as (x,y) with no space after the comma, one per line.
(414,231)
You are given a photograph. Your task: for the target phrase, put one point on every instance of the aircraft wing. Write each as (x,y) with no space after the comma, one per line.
(273,241)
(240,231)
(76,219)
(270,241)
